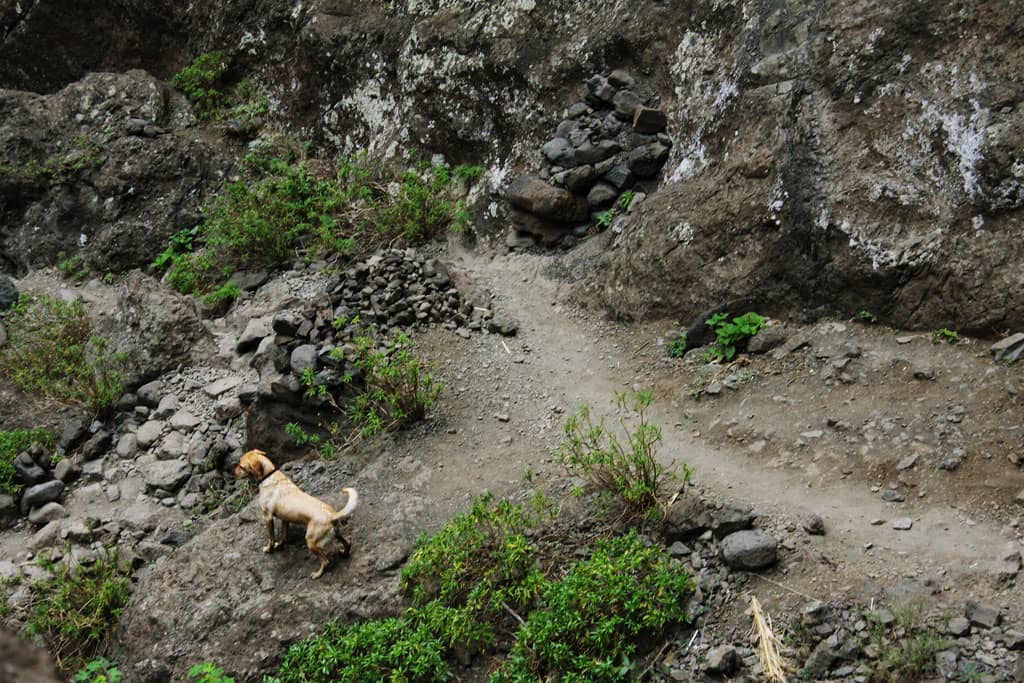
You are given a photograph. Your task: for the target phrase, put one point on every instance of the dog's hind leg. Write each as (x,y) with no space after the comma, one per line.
(315,538)
(268,519)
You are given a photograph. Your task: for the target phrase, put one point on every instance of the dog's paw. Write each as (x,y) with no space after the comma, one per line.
(268,548)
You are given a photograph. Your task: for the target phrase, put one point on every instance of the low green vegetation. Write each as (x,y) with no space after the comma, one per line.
(944,334)
(606,218)
(202,81)
(220,299)
(398,388)
(587,625)
(677,346)
(625,466)
(52,351)
(72,267)
(283,207)
(74,158)
(100,670)
(907,647)
(733,334)
(207,672)
(12,443)
(866,317)
(477,586)
(76,609)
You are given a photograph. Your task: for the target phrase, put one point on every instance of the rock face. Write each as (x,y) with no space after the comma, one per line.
(829,157)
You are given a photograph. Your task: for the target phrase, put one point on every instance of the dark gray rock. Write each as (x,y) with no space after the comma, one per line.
(982,614)
(958,627)
(8,508)
(26,471)
(814,525)
(46,513)
(287,322)
(619,176)
(647,120)
(730,519)
(821,660)
(723,660)
(560,152)
(255,331)
(594,153)
(67,470)
(749,550)
(72,431)
(599,91)
(766,340)
(303,358)
(40,494)
(168,475)
(1006,350)
(647,160)
(686,519)
(150,393)
(167,407)
(8,293)
(626,102)
(601,195)
(97,445)
(621,79)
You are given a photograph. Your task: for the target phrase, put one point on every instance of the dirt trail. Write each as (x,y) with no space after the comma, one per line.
(563,358)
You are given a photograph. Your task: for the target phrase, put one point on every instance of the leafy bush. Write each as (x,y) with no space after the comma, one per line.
(100,670)
(396,650)
(866,317)
(11,444)
(208,673)
(71,267)
(947,335)
(481,559)
(200,81)
(677,346)
(76,609)
(283,206)
(51,350)
(398,390)
(588,623)
(630,470)
(732,335)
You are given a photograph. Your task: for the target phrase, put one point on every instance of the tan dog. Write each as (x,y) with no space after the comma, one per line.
(280,497)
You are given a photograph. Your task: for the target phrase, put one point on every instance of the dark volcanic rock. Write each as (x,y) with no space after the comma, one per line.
(537,197)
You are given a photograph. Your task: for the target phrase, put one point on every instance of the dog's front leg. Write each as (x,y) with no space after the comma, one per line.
(283,538)
(268,519)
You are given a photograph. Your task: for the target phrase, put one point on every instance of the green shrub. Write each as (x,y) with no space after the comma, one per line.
(11,444)
(100,670)
(220,299)
(588,623)
(866,317)
(51,350)
(944,334)
(677,346)
(627,469)
(282,206)
(481,559)
(395,650)
(399,390)
(732,335)
(906,649)
(208,673)
(200,81)
(76,609)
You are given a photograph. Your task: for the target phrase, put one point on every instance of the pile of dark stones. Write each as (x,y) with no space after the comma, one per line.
(611,143)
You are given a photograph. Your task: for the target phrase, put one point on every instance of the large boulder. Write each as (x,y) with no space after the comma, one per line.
(544,200)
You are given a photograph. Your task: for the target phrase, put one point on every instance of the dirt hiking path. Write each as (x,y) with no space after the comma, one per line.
(520,389)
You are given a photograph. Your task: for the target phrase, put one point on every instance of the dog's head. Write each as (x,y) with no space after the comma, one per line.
(254,465)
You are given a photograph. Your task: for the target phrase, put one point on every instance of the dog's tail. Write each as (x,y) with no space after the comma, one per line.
(353,500)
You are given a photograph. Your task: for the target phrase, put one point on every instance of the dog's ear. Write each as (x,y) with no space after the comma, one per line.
(255,467)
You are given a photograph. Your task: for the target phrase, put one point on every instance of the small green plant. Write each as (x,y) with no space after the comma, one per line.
(71,267)
(51,350)
(945,335)
(202,82)
(399,390)
(628,469)
(588,623)
(100,670)
(299,436)
(605,219)
(207,672)
(677,346)
(907,648)
(731,336)
(12,443)
(76,609)
(866,317)
(220,299)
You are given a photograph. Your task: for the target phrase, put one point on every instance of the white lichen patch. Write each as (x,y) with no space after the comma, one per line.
(693,162)
(896,249)
(683,233)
